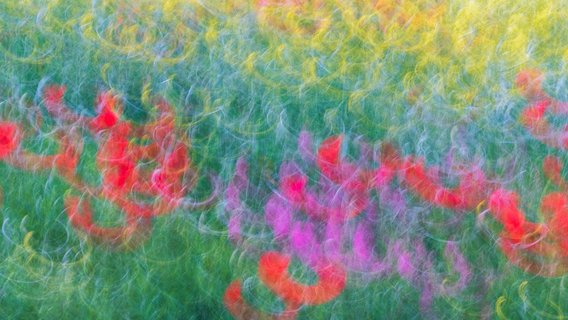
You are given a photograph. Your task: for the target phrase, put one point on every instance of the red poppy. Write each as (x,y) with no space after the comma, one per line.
(273,272)
(533,118)
(328,160)
(338,171)
(53,101)
(504,206)
(348,174)
(293,187)
(555,206)
(115,161)
(167,185)
(10,136)
(164,127)
(533,247)
(390,163)
(235,303)
(168,179)
(529,82)
(467,195)
(108,112)
(552,167)
(534,263)
(239,309)
(67,159)
(176,161)
(80,216)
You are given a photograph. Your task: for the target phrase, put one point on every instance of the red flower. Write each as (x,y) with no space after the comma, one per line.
(9,138)
(67,159)
(425,186)
(53,98)
(533,118)
(167,185)
(177,161)
(533,247)
(390,163)
(164,127)
(273,272)
(235,303)
(328,160)
(555,206)
(135,231)
(168,180)
(551,266)
(293,188)
(552,167)
(108,109)
(347,174)
(239,309)
(466,196)
(504,206)
(115,160)
(529,82)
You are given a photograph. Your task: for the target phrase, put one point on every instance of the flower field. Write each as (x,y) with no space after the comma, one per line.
(283,159)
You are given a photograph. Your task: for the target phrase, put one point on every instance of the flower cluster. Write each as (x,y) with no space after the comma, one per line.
(145,169)
(317,224)
(533,117)
(539,248)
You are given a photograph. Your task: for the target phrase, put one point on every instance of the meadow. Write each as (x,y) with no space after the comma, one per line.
(283,159)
